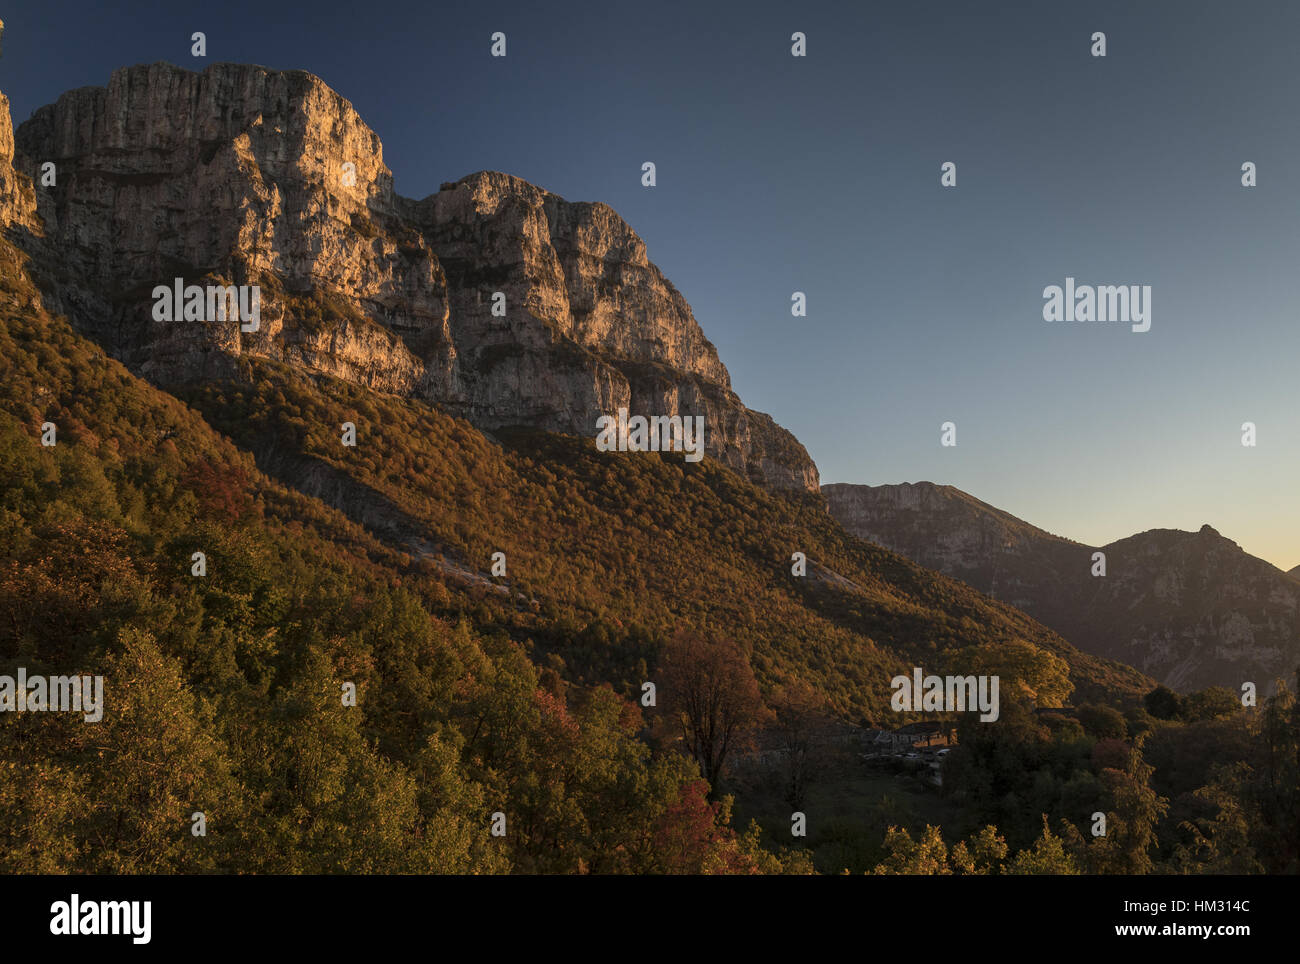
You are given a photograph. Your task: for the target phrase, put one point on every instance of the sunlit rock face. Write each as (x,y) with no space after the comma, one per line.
(241,175)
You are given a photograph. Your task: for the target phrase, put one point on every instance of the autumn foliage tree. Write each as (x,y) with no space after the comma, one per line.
(801,721)
(712,698)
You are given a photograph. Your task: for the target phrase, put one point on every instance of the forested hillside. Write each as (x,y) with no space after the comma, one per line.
(327,564)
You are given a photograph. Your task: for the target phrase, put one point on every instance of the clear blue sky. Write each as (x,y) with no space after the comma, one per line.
(778,174)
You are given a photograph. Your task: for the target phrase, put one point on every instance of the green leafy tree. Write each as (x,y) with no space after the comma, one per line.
(1103,722)
(1048,856)
(1133,811)
(1163,703)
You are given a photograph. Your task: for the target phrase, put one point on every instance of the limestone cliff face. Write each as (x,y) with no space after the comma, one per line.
(17,196)
(243,175)
(235,175)
(1188,608)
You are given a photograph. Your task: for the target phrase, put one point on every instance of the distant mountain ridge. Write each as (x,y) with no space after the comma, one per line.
(1188,608)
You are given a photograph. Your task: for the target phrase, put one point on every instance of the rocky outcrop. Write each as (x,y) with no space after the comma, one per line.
(236,176)
(242,175)
(17,196)
(1188,608)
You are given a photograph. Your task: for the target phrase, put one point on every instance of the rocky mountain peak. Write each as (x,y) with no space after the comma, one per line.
(245,175)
